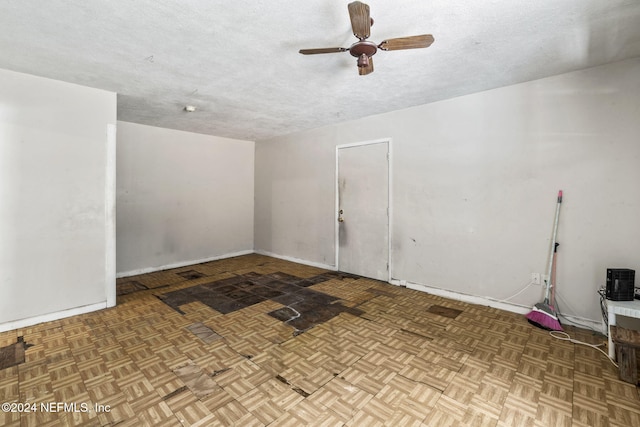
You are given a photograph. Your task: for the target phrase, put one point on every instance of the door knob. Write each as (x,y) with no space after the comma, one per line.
(340,219)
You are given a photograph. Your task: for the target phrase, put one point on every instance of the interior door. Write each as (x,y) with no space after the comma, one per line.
(363,209)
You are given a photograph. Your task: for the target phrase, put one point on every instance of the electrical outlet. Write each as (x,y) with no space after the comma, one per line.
(535,278)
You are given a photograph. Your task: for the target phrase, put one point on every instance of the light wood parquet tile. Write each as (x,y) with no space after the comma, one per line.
(547,416)
(555,398)
(157,415)
(194,414)
(414,408)
(453,407)
(487,406)
(513,417)
(280,394)
(624,412)
(395,365)
(401,418)
(473,417)
(12,418)
(231,413)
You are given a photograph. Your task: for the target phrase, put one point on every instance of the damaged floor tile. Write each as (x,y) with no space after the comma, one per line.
(200,384)
(451,313)
(204,332)
(13,354)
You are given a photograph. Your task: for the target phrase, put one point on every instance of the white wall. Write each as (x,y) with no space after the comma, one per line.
(475,183)
(295,197)
(182,198)
(53,199)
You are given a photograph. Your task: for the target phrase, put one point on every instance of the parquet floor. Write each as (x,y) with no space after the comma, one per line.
(399,363)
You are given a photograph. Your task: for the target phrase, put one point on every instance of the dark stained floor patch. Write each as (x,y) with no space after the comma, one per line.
(284,277)
(313,314)
(304,308)
(451,313)
(340,275)
(128,287)
(13,354)
(191,274)
(381,292)
(284,314)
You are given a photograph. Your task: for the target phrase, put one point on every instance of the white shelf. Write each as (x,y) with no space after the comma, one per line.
(620,308)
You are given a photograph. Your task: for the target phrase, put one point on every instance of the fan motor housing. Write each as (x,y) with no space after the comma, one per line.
(363,47)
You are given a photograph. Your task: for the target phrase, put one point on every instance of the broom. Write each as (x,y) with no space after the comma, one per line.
(543,315)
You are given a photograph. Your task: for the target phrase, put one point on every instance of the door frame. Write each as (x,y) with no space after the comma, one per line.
(389,143)
(110,215)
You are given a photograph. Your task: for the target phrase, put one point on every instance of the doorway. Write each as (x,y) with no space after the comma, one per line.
(362,209)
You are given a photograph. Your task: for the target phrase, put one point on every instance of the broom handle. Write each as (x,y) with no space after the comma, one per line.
(552,303)
(553,246)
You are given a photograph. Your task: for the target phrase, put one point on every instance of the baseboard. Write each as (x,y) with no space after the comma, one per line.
(181,264)
(297,260)
(490,302)
(471,299)
(582,322)
(30,321)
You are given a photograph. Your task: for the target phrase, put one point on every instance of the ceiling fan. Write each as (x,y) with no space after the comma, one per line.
(364,49)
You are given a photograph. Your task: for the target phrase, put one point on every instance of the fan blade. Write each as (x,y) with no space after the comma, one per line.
(360,19)
(323,50)
(363,71)
(412,42)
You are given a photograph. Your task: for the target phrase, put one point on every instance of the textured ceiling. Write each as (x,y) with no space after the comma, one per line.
(238,61)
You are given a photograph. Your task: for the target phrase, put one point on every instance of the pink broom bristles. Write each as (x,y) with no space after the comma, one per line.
(544,317)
